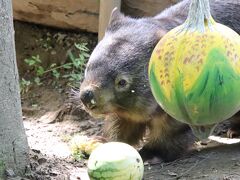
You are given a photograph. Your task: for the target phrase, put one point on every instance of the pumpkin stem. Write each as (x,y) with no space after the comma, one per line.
(199,16)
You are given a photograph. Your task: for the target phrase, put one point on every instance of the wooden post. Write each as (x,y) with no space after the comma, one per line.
(106,7)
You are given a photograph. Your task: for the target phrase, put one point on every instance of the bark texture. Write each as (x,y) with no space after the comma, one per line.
(13,140)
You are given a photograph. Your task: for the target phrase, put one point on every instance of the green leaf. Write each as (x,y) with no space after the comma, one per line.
(67,66)
(76,63)
(37,58)
(82,58)
(40,71)
(66,76)
(53,65)
(33,60)
(30,62)
(86,55)
(37,81)
(55,73)
(25,82)
(81,47)
(71,56)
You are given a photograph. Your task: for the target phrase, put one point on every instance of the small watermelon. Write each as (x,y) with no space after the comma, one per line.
(115,161)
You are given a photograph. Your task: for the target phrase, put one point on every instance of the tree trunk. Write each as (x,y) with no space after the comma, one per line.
(13,140)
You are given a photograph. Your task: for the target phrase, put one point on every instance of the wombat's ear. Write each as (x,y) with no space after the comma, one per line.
(116,15)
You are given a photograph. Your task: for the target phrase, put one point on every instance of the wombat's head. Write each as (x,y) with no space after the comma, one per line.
(116,79)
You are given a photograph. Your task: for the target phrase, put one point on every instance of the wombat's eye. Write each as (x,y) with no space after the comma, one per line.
(122,83)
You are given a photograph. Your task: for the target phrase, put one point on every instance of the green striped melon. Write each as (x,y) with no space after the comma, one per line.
(115,161)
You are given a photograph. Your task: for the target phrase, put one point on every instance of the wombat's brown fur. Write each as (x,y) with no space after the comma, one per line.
(116,84)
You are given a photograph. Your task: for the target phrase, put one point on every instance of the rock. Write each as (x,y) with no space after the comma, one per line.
(42,160)
(36,151)
(53,173)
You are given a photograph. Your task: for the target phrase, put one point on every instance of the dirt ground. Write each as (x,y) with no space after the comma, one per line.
(50,119)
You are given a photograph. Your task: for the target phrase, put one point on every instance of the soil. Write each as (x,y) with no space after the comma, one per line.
(51,118)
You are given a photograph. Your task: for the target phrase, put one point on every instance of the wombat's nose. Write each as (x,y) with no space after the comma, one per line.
(87,98)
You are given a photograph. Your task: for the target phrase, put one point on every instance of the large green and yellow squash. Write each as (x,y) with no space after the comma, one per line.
(194,71)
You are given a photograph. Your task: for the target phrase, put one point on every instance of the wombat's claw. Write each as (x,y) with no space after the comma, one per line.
(233,133)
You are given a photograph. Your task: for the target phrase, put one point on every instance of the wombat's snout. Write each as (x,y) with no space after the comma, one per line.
(88,99)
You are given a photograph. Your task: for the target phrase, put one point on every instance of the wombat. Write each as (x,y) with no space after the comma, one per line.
(116,84)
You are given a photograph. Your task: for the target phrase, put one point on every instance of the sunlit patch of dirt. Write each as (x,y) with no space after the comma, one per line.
(49,137)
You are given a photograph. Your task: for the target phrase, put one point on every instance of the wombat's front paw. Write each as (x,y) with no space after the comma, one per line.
(150,156)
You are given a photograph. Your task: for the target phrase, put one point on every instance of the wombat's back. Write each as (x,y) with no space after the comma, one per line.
(225,12)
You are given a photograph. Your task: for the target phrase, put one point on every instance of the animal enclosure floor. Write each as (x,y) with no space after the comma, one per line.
(218,163)
(51,158)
